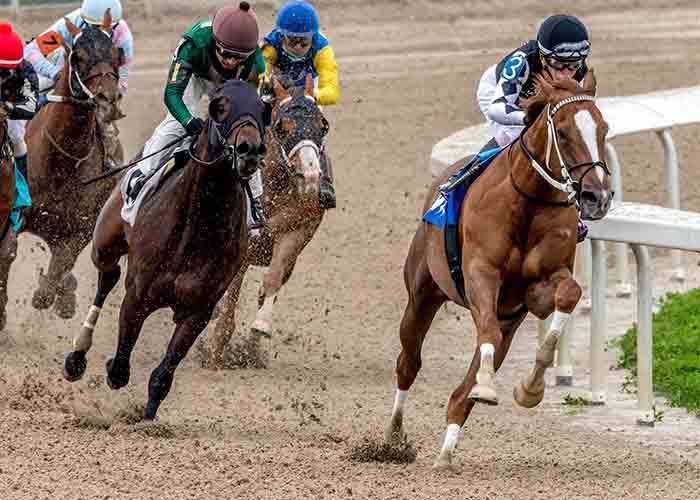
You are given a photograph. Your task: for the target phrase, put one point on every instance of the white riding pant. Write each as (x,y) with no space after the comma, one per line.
(170,129)
(16,130)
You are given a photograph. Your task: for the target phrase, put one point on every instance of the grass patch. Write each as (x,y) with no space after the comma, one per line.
(574,404)
(676,334)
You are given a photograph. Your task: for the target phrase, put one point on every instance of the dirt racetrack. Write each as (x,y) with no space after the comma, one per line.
(409,70)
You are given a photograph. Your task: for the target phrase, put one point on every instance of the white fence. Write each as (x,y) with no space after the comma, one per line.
(634,224)
(17,6)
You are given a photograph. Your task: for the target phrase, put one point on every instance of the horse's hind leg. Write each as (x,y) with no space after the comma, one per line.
(58,279)
(108,245)
(460,404)
(8,253)
(424,300)
(530,391)
(161,380)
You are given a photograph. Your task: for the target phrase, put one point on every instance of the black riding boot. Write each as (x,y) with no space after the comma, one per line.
(327,190)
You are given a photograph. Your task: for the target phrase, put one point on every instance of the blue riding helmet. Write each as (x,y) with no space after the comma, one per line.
(297,18)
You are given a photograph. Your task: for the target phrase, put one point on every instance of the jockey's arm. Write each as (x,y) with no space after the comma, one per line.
(258,68)
(50,40)
(124,41)
(328,91)
(270,57)
(178,78)
(24,107)
(505,108)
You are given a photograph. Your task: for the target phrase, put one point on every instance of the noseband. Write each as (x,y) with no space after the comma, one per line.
(76,98)
(231,152)
(287,153)
(570,187)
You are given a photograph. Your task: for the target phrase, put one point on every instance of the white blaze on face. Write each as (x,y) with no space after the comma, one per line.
(588,129)
(310,168)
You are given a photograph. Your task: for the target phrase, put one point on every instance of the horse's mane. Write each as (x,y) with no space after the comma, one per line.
(544,86)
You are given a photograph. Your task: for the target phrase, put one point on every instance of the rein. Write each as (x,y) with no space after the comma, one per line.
(570,187)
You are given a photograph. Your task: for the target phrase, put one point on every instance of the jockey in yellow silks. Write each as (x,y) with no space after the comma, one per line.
(295,48)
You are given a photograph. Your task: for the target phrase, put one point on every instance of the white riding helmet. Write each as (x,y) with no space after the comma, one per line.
(92,11)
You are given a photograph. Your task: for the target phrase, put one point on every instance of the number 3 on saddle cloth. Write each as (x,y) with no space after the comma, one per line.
(444,213)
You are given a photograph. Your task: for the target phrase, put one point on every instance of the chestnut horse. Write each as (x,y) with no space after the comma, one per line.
(517,233)
(291,175)
(8,240)
(64,148)
(187,243)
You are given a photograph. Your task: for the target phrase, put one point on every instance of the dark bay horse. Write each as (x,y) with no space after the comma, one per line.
(64,148)
(291,175)
(8,240)
(187,243)
(517,231)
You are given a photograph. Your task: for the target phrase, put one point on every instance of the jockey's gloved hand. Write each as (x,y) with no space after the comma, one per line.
(194,127)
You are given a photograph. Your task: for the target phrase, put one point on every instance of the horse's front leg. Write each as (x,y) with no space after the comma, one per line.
(186,332)
(8,253)
(59,279)
(484,282)
(286,249)
(566,294)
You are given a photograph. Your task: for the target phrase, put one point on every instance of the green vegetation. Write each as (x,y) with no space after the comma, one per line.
(676,337)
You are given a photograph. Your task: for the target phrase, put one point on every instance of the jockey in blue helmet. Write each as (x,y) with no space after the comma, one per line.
(296,48)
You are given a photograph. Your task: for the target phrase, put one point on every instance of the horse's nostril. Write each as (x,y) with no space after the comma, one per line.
(243,148)
(589,197)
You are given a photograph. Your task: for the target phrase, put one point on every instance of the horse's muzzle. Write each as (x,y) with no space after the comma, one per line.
(595,203)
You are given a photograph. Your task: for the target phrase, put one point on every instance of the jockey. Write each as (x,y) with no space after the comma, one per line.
(47,55)
(20,91)
(561,49)
(295,48)
(209,53)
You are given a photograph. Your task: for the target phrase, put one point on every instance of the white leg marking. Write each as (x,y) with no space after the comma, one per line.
(559,321)
(263,320)
(399,401)
(83,341)
(588,129)
(451,437)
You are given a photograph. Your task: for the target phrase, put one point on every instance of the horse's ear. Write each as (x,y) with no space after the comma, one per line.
(309,87)
(280,92)
(72,28)
(107,20)
(543,82)
(590,84)
(220,108)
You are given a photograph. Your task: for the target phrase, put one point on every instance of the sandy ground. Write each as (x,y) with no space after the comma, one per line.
(409,73)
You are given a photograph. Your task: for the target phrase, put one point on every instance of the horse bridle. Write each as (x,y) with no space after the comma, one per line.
(73,98)
(287,155)
(570,187)
(231,152)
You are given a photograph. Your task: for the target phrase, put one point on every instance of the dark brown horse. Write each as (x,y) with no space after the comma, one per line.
(65,148)
(187,243)
(517,230)
(291,174)
(8,240)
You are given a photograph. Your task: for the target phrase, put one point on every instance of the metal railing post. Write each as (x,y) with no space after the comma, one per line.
(624,286)
(673,195)
(598,322)
(645,361)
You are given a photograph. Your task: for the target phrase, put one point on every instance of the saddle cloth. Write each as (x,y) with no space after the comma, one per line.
(131,205)
(444,213)
(21,200)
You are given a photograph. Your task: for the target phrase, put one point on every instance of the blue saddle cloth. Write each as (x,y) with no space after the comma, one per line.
(445,209)
(21,200)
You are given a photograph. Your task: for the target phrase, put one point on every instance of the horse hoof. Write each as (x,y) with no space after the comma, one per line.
(116,380)
(484,394)
(525,398)
(64,305)
(74,365)
(394,436)
(42,300)
(444,464)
